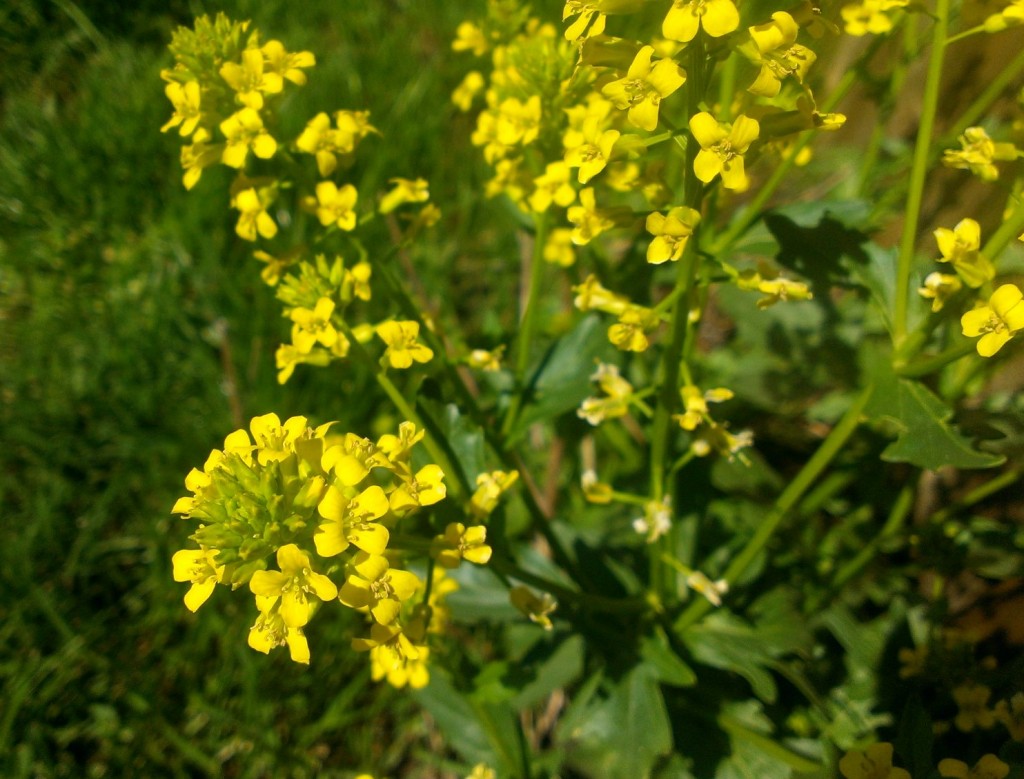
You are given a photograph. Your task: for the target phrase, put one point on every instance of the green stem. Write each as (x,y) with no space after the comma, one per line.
(978,494)
(1007,231)
(919,169)
(804,480)
(983,101)
(529,322)
(936,362)
(965,34)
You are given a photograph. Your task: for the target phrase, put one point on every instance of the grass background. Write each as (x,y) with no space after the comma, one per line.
(134,334)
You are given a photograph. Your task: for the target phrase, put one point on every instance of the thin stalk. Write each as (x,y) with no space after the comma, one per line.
(978,494)
(931,364)
(529,322)
(919,169)
(803,481)
(1006,232)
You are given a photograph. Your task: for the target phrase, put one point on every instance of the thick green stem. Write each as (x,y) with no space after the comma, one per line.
(919,169)
(529,322)
(931,364)
(807,476)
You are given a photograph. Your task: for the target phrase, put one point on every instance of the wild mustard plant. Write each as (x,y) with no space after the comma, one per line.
(642,167)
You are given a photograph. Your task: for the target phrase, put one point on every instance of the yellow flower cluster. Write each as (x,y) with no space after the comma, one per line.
(320,505)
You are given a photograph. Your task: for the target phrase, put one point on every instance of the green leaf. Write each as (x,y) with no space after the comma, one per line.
(456,718)
(555,665)
(724,641)
(924,436)
(622,735)
(755,754)
(459,434)
(668,666)
(562,380)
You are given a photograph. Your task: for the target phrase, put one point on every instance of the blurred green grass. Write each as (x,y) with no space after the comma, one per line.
(135,334)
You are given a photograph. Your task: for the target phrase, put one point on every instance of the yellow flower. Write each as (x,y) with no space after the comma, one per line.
(253,217)
(482,771)
(591,295)
(198,566)
(870,16)
(275,441)
(334,206)
(352,521)
(717,17)
(394,648)
(591,149)
(314,327)
(518,122)
(486,360)
(558,248)
(321,140)
(404,191)
(489,489)
(695,405)
(713,591)
(424,489)
(1011,714)
(469,37)
(722,147)
(287,64)
(271,631)
(244,130)
(294,584)
(397,449)
(471,86)
(249,80)
(198,156)
(403,345)
(618,395)
(775,288)
(588,220)
(939,288)
(961,247)
(287,357)
(586,11)
(537,608)
(875,762)
(977,154)
(276,266)
(988,767)
(352,460)
(775,49)
(552,187)
(640,93)
(630,332)
(352,126)
(185,100)
(671,232)
(972,701)
(997,322)
(378,587)
(1011,16)
(656,521)
(410,671)
(595,491)
(459,543)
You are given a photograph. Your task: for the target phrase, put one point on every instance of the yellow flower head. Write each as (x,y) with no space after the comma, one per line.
(294,584)
(253,217)
(404,347)
(287,64)
(185,100)
(467,90)
(459,543)
(487,359)
(630,332)
(939,288)
(589,19)
(323,141)
(378,587)
(404,191)
(591,295)
(243,131)
(875,762)
(978,153)
(558,248)
(997,322)
(198,156)
(469,37)
(518,121)
(537,608)
(722,147)
(591,148)
(250,80)
(335,206)
(870,16)
(695,405)
(489,489)
(656,521)
(717,17)
(671,233)
(198,566)
(413,672)
(588,220)
(961,247)
(775,49)
(972,700)
(275,441)
(640,93)
(271,631)
(352,521)
(424,489)
(618,394)
(314,327)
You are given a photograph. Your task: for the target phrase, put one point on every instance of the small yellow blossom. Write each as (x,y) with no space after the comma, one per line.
(590,148)
(352,521)
(558,248)
(404,191)
(352,126)
(294,584)
(469,37)
(671,233)
(870,16)
(273,440)
(618,394)
(537,608)
(288,357)
(394,649)
(552,186)
(1011,715)
(972,702)
(486,360)
(489,489)
(275,266)
(314,327)
(352,460)
(717,17)
(988,767)
(198,566)
(271,631)
(996,322)
(459,543)
(875,762)
(321,140)
(630,332)
(467,90)
(589,22)
(644,87)
(244,130)
(715,437)
(198,156)
(410,671)
(939,288)
(378,587)
(335,206)
(287,64)
(1011,16)
(404,347)
(424,489)
(588,220)
(595,491)
(775,49)
(250,80)
(961,246)
(253,217)
(482,771)
(185,99)
(592,296)
(656,521)
(722,147)
(695,405)
(518,122)
(978,153)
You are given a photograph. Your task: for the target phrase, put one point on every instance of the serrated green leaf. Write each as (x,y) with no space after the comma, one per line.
(669,667)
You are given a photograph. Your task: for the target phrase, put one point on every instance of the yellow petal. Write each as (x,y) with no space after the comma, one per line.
(199,593)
